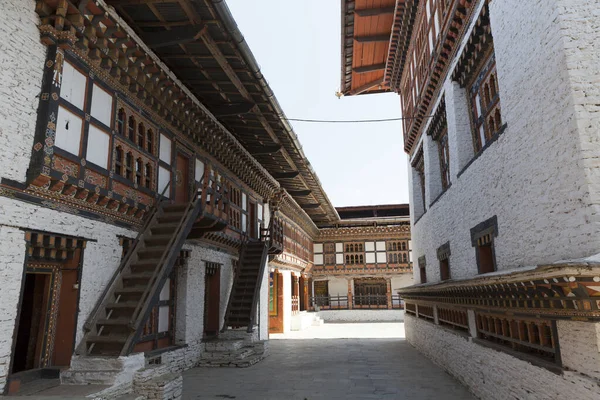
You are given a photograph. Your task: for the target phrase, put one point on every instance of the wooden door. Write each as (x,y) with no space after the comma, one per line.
(182,181)
(67,318)
(212,300)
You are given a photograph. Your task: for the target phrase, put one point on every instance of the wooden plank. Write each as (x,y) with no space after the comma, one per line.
(372,38)
(368,68)
(369,12)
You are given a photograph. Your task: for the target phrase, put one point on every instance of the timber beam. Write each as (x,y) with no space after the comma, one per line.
(369,68)
(285,175)
(373,12)
(372,39)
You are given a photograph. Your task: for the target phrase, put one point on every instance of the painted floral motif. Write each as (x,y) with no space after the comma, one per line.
(67,167)
(95,178)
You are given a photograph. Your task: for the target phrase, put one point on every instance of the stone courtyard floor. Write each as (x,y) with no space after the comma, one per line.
(335,362)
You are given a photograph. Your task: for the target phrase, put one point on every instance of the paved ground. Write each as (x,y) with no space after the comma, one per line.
(310,369)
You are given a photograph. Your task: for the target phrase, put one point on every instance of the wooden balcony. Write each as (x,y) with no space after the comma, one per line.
(214,216)
(273,235)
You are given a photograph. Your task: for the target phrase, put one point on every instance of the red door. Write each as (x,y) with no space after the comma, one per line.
(67,318)
(182,188)
(212,301)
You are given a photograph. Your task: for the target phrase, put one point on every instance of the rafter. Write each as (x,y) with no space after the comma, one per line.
(367,86)
(371,12)
(372,38)
(369,68)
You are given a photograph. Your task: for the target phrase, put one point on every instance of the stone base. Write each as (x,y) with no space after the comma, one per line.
(233,353)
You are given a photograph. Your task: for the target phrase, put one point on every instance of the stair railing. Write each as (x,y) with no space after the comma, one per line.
(235,280)
(261,272)
(89,323)
(143,307)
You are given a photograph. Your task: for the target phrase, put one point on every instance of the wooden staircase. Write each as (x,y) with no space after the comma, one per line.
(118,318)
(243,301)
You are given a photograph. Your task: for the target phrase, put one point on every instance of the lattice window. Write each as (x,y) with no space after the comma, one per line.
(121,120)
(354,253)
(486,116)
(410,308)
(534,337)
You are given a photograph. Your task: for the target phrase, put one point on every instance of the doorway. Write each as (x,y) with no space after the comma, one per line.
(212,299)
(182,181)
(32,322)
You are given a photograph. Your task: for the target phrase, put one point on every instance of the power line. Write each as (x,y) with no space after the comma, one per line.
(354,121)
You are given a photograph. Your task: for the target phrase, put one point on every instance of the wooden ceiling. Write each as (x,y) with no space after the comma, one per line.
(366,29)
(197,40)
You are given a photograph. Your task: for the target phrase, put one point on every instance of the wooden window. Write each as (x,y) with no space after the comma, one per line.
(423,269)
(444,159)
(141,135)
(119,161)
(129,166)
(139,170)
(455,319)
(148,175)
(443,254)
(121,120)
(486,116)
(131,128)
(482,238)
(150,141)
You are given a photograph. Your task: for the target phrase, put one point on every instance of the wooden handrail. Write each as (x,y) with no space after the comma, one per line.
(87,326)
(144,305)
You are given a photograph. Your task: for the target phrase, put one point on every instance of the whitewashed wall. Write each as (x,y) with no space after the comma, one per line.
(533,177)
(22,58)
(100,259)
(495,375)
(287,300)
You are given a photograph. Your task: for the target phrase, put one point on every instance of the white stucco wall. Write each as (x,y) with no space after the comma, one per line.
(401,281)
(22,58)
(495,375)
(532,178)
(287,300)
(100,259)
(358,315)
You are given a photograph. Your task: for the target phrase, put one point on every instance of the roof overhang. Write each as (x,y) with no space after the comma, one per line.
(200,42)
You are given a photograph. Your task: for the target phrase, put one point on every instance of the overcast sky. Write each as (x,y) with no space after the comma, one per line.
(297,45)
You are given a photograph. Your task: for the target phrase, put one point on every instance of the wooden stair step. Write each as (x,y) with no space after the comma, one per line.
(158,240)
(125,304)
(146,262)
(138,275)
(114,322)
(131,289)
(175,207)
(107,339)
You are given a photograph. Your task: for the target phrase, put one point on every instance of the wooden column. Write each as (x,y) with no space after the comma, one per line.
(305,292)
(388,293)
(350,302)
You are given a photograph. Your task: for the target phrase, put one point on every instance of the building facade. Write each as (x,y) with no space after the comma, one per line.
(152,193)
(498,100)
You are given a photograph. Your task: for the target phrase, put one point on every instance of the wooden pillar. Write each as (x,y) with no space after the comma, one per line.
(388,293)
(305,292)
(350,302)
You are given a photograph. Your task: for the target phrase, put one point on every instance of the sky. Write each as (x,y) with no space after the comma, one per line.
(298,47)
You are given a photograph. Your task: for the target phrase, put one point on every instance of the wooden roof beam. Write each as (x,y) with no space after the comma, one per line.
(372,39)
(373,12)
(299,192)
(285,175)
(369,68)
(310,206)
(137,2)
(263,150)
(365,87)
(178,35)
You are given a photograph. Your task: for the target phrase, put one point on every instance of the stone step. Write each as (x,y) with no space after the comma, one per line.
(225,355)
(243,363)
(318,322)
(223,345)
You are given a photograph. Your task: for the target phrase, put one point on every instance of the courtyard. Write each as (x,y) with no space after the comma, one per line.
(332,361)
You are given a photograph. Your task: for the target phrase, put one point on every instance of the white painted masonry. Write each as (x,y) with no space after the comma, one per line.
(358,315)
(101,257)
(286,281)
(22,58)
(533,177)
(495,375)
